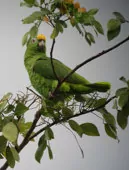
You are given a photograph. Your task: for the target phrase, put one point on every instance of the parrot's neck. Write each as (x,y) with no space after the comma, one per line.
(31,57)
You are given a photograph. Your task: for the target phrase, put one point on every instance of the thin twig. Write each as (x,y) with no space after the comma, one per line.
(32,102)
(76,140)
(33,92)
(97,115)
(95,57)
(51,58)
(26,139)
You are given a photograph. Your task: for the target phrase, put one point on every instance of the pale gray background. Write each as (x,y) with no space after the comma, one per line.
(101,153)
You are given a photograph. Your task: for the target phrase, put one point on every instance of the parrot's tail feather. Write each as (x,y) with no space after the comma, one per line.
(90,88)
(100,86)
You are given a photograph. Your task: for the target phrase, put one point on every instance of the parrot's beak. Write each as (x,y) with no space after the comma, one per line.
(41,45)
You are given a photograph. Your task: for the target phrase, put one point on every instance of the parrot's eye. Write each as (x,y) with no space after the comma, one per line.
(33,40)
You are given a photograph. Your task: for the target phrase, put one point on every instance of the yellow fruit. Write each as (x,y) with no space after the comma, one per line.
(63,9)
(46,19)
(82,10)
(72,20)
(76,5)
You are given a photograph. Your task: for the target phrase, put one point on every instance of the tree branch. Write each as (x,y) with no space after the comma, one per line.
(72,116)
(33,92)
(95,57)
(51,58)
(89,60)
(26,139)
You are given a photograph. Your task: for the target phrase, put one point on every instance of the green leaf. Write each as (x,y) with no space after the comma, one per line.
(99,102)
(29,1)
(122,119)
(50,152)
(63,23)
(24,127)
(40,151)
(89,129)
(42,140)
(7,119)
(25,4)
(128,83)
(36,4)
(123,79)
(20,109)
(114,27)
(1,123)
(45,11)
(25,38)
(33,31)
(111,131)
(42,1)
(113,24)
(55,33)
(122,91)
(76,127)
(119,16)
(87,38)
(4,101)
(15,154)
(10,132)
(98,27)
(88,20)
(9,157)
(67,112)
(102,111)
(109,118)
(33,17)
(90,37)
(93,11)
(113,34)
(125,109)
(3,142)
(115,106)
(123,99)
(59,27)
(49,134)
(10,108)
(28,41)
(79,29)
(80,98)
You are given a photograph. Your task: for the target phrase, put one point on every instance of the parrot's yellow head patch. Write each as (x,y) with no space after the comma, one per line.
(41,37)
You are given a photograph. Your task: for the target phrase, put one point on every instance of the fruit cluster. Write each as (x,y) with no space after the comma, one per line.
(76,5)
(67,5)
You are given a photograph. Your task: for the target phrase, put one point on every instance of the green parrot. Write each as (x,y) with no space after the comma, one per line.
(43,79)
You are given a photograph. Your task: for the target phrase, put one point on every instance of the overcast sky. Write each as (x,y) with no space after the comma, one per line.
(101,153)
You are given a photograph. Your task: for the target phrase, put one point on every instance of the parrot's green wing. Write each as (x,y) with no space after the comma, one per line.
(43,67)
